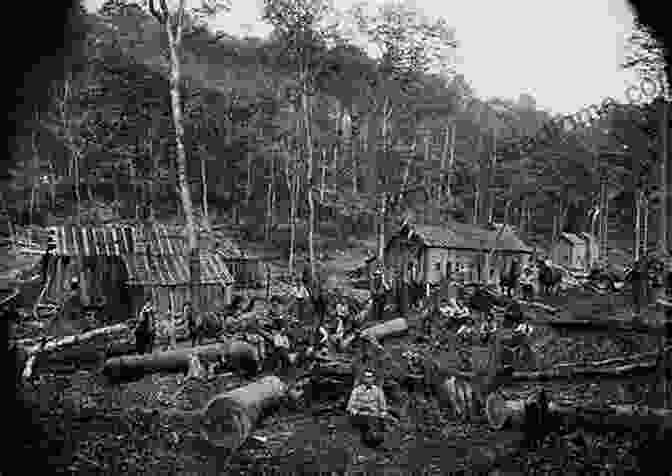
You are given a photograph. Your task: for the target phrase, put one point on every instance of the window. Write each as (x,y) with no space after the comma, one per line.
(437,266)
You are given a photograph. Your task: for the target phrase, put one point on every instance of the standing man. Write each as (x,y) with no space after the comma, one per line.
(73,305)
(379,290)
(194,324)
(300,293)
(145,329)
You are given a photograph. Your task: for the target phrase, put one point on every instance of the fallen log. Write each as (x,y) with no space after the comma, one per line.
(100,338)
(229,418)
(607,325)
(237,354)
(539,305)
(503,413)
(565,372)
(389,328)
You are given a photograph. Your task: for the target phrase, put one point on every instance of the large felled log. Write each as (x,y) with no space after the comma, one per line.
(607,325)
(229,418)
(503,413)
(238,354)
(566,372)
(95,340)
(389,328)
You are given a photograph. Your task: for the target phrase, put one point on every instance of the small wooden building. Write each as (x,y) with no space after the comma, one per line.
(427,254)
(95,255)
(246,269)
(570,251)
(117,265)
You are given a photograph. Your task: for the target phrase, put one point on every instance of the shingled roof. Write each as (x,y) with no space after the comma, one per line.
(457,235)
(173,270)
(122,240)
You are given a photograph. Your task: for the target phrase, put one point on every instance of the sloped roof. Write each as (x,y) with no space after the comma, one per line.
(173,270)
(463,236)
(573,239)
(122,240)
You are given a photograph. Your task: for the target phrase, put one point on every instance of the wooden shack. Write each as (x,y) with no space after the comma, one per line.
(160,268)
(95,255)
(427,254)
(570,251)
(245,268)
(118,265)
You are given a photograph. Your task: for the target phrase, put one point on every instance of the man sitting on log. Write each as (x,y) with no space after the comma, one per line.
(145,329)
(367,408)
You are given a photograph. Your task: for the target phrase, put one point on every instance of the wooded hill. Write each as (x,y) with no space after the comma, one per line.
(377,126)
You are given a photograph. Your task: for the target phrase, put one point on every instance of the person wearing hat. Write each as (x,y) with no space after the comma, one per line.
(73,305)
(145,329)
(194,323)
(379,290)
(367,408)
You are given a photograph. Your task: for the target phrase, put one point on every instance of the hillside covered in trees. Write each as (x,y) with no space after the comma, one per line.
(391,134)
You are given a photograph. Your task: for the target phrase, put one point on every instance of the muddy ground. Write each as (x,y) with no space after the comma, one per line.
(97,428)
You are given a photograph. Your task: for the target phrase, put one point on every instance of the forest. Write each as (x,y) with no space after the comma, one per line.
(395,132)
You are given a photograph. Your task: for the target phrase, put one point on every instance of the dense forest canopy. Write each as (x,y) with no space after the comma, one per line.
(382,125)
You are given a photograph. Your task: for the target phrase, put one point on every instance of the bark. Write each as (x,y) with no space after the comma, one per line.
(386,329)
(97,338)
(173,24)
(204,182)
(269,200)
(663,240)
(133,366)
(605,325)
(307,117)
(638,223)
(504,413)
(36,176)
(229,418)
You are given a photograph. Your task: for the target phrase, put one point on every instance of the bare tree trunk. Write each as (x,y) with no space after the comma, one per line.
(309,182)
(292,186)
(664,132)
(381,228)
(645,226)
(269,200)
(52,183)
(174,43)
(204,197)
(35,175)
(638,223)
(248,183)
(324,174)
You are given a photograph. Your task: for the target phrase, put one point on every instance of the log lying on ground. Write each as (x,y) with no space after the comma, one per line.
(567,372)
(606,325)
(229,418)
(539,305)
(237,354)
(389,328)
(95,341)
(503,413)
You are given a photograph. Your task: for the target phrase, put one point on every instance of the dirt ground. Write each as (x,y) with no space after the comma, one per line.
(141,427)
